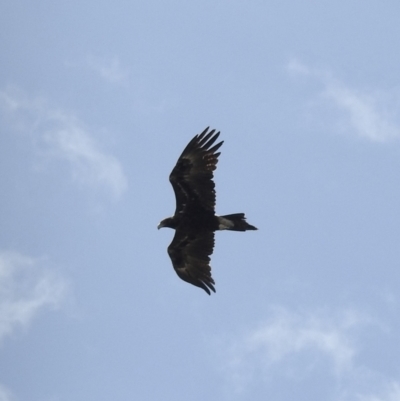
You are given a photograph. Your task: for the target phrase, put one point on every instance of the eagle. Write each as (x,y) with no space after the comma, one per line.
(195,221)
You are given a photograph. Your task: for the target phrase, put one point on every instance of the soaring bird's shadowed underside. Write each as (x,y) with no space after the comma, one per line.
(195,220)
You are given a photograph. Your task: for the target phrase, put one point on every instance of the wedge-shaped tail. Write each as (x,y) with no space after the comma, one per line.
(234,222)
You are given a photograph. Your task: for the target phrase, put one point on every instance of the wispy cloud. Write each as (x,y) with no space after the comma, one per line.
(61,135)
(304,350)
(289,340)
(26,288)
(110,69)
(5,394)
(368,114)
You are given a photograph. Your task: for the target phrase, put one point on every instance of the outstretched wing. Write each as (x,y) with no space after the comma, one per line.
(192,177)
(190,256)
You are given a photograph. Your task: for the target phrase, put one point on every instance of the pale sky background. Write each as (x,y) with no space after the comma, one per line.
(97,101)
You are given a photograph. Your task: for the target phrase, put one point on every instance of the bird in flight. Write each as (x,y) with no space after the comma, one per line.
(195,221)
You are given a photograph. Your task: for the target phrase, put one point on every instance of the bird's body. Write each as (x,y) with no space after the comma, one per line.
(195,220)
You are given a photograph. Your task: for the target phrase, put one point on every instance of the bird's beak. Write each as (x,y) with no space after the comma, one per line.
(159,226)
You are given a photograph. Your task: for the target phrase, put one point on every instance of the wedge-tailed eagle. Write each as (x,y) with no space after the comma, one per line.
(195,220)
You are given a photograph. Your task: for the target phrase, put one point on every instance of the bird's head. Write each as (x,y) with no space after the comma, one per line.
(168,222)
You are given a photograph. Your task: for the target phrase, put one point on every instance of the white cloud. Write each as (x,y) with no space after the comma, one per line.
(62,136)
(287,334)
(294,344)
(368,114)
(5,394)
(369,118)
(302,350)
(70,141)
(25,289)
(110,69)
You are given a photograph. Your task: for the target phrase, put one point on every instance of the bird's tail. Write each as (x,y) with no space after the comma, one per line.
(234,222)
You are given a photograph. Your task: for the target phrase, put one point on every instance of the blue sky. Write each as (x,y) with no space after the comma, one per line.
(97,101)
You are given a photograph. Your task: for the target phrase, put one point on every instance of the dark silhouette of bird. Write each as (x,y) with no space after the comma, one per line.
(195,221)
